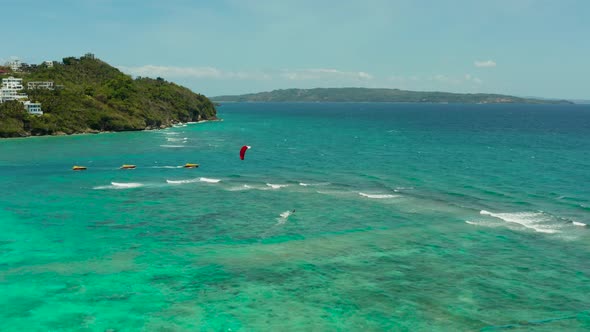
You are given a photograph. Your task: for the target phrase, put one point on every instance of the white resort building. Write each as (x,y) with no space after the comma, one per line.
(14,65)
(12,83)
(8,95)
(10,91)
(33,108)
(40,85)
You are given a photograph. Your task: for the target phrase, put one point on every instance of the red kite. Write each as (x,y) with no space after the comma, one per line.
(243,151)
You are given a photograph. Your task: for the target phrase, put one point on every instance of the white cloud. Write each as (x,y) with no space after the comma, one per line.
(485,64)
(193,72)
(172,72)
(322,74)
(469,78)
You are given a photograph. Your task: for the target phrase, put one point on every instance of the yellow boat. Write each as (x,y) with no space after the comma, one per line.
(187,165)
(128,167)
(79,168)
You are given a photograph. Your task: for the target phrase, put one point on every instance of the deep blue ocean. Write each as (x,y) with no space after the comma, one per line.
(341,217)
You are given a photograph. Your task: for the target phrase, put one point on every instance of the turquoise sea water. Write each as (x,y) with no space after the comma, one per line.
(407,218)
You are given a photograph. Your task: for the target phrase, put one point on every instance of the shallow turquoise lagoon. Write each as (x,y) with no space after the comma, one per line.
(408,217)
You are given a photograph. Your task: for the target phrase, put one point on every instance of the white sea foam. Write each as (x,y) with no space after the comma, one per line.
(283,217)
(537,221)
(127,185)
(314,184)
(240,188)
(171,146)
(173,139)
(103,187)
(484,223)
(182,181)
(286,214)
(378,196)
(277,186)
(209,180)
(579,224)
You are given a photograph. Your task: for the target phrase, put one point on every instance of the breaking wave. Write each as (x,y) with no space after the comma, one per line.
(182,181)
(378,196)
(277,186)
(127,185)
(314,184)
(120,185)
(537,221)
(209,180)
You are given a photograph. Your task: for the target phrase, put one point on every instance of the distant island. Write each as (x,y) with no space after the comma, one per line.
(87,95)
(379,95)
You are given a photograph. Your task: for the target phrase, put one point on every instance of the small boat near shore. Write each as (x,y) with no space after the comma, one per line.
(128,166)
(188,165)
(79,168)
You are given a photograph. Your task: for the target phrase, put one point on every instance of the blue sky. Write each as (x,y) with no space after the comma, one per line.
(520,47)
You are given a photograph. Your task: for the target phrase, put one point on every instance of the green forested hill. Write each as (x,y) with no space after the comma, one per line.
(98,97)
(377,95)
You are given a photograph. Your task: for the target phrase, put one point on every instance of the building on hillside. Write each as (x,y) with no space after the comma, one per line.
(33,108)
(10,88)
(49,64)
(14,65)
(12,83)
(40,85)
(88,56)
(10,91)
(8,95)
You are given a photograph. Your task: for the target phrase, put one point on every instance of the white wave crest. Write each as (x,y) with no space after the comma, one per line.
(314,184)
(240,188)
(103,187)
(485,223)
(209,180)
(172,139)
(171,146)
(277,186)
(182,181)
(576,223)
(378,196)
(127,185)
(537,221)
